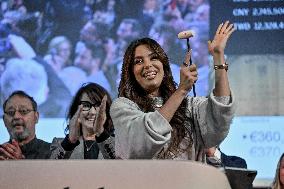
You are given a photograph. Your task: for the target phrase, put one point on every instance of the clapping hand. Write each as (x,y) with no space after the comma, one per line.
(11,151)
(100,118)
(74,126)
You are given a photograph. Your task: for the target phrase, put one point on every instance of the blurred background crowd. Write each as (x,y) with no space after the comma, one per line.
(49,48)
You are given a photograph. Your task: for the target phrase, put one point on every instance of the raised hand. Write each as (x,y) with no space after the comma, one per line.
(100,118)
(74,126)
(21,47)
(11,151)
(218,44)
(216,48)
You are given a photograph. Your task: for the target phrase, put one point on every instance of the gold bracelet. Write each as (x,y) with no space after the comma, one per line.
(222,66)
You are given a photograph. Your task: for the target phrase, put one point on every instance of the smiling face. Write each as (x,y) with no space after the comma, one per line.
(148,69)
(88,117)
(64,50)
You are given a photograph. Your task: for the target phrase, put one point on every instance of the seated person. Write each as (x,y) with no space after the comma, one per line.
(278,182)
(90,127)
(217,158)
(20,117)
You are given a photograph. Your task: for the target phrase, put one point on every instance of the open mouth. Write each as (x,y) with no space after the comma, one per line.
(150,75)
(92,120)
(18,124)
(18,128)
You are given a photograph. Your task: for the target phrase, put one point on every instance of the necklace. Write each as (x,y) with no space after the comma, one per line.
(88,148)
(158,102)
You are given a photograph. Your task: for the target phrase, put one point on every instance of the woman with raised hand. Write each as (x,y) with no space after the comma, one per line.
(154,119)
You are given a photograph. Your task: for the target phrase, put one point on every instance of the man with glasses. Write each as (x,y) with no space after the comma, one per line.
(20,117)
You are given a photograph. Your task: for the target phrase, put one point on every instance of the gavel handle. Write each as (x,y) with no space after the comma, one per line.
(190,63)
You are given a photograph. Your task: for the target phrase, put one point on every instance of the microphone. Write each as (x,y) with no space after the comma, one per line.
(186,35)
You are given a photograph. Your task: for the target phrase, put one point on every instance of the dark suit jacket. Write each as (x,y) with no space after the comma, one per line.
(229,161)
(233,161)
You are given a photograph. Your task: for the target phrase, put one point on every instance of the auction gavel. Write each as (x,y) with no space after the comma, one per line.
(186,35)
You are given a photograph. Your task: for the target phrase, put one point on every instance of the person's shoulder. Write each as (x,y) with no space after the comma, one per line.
(233,161)
(40,141)
(41,144)
(57,140)
(191,100)
(123,102)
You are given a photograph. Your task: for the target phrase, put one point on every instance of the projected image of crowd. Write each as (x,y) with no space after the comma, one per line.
(50,48)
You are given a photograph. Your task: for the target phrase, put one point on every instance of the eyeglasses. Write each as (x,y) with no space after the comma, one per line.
(23,112)
(87,105)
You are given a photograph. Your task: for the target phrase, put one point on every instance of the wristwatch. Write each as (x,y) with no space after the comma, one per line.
(222,66)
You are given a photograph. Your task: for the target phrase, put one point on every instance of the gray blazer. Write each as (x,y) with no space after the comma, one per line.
(57,151)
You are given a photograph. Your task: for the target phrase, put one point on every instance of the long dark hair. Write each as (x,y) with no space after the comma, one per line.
(131,89)
(96,93)
(276,184)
